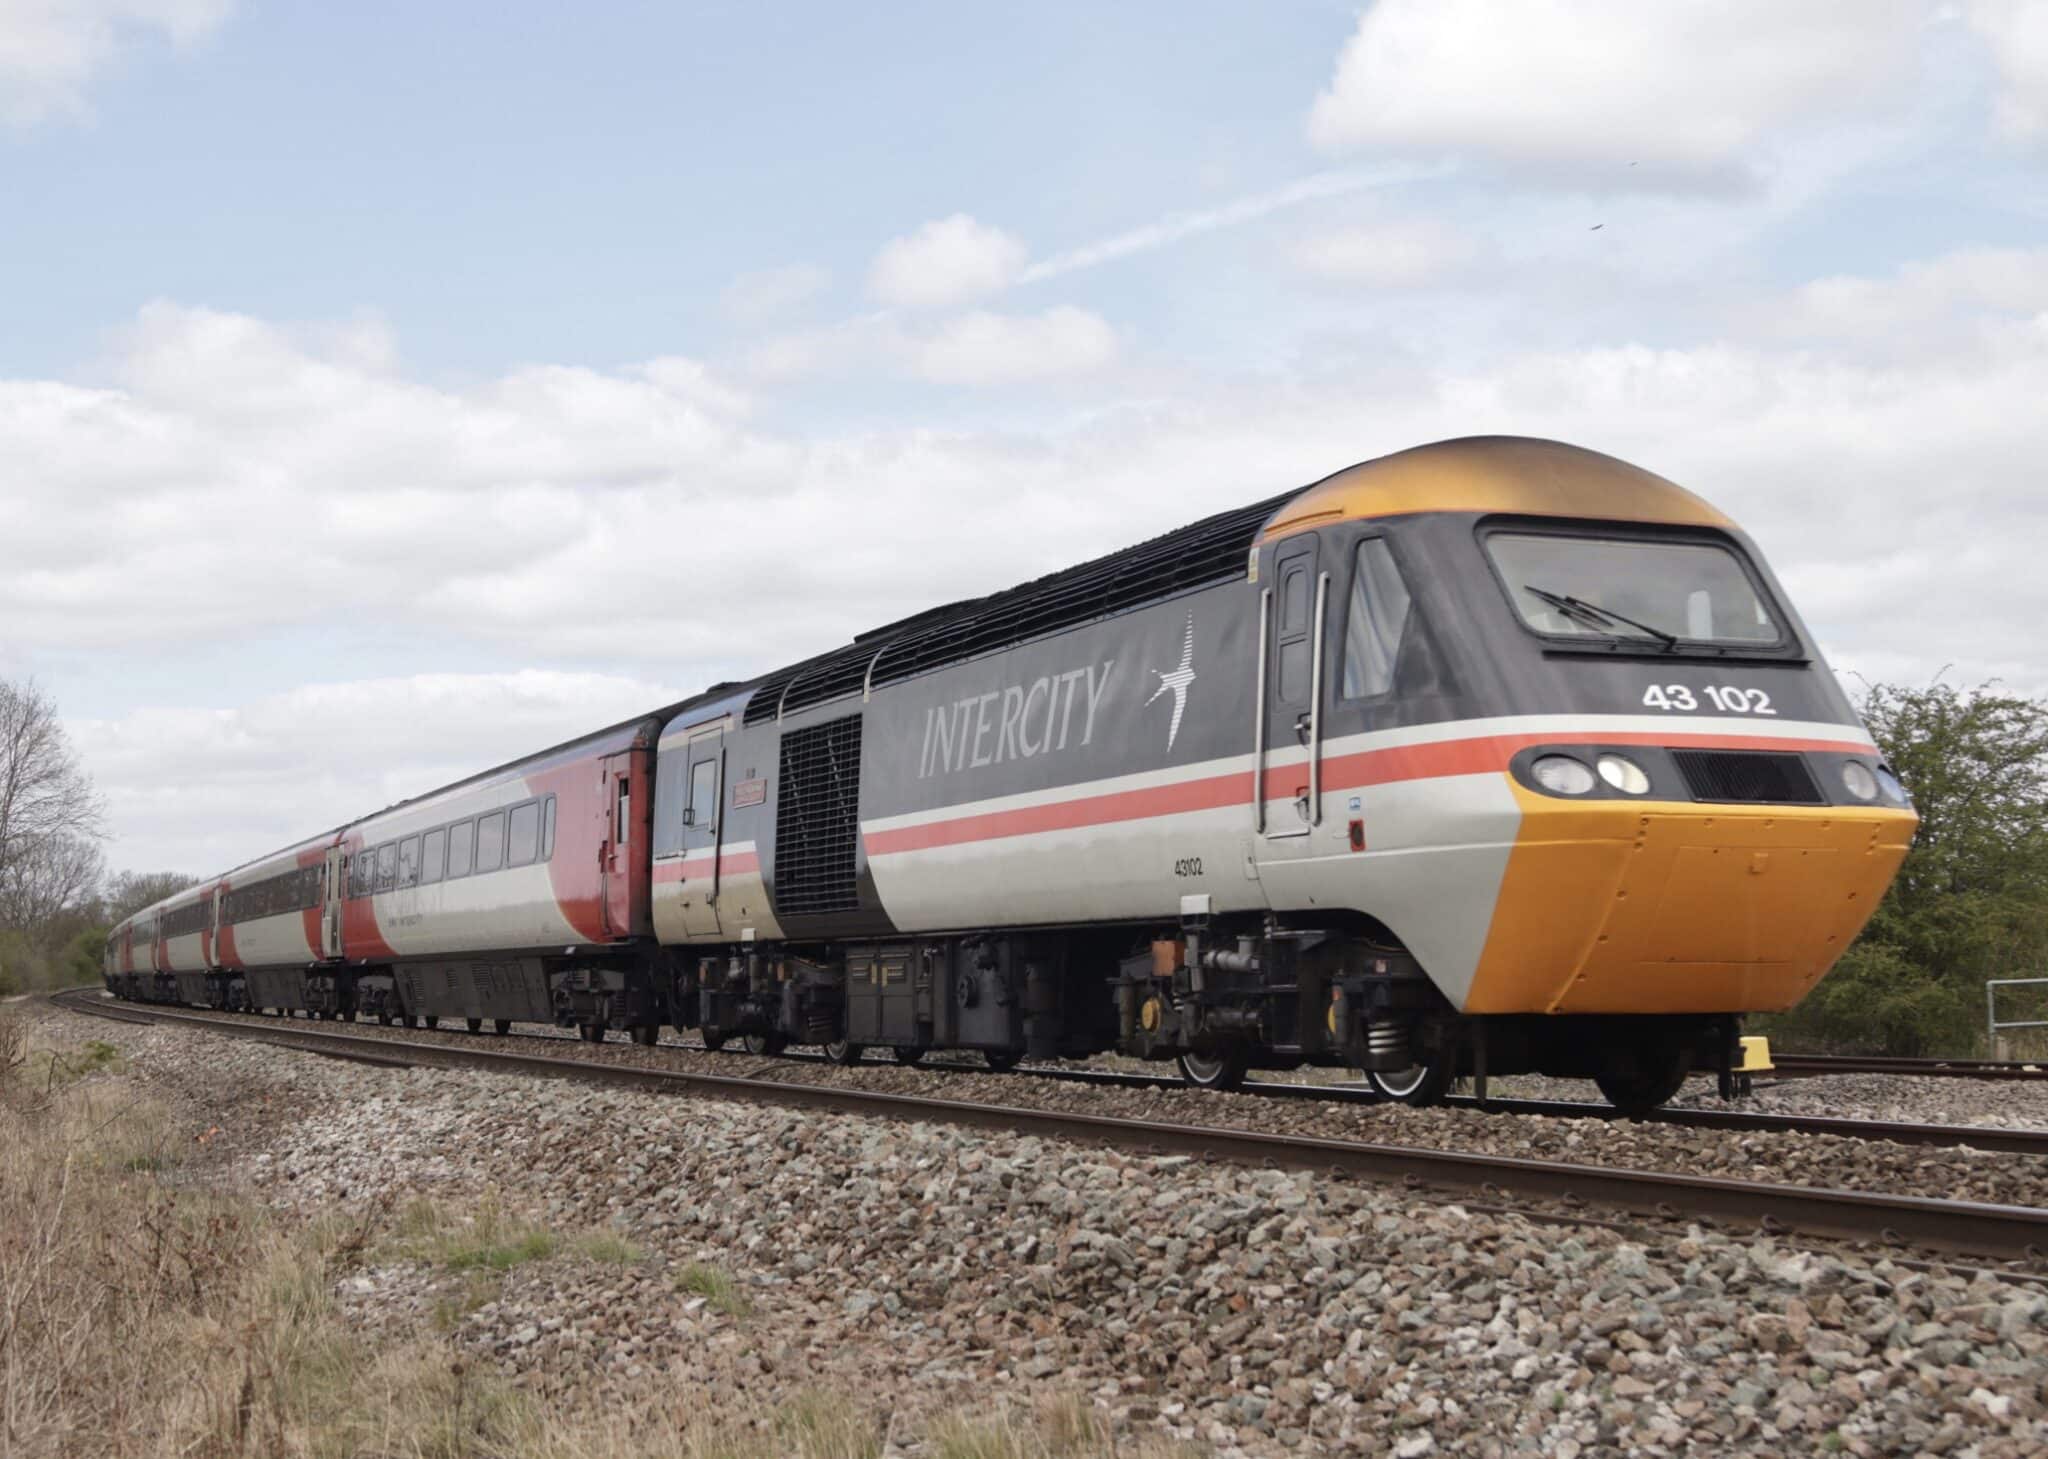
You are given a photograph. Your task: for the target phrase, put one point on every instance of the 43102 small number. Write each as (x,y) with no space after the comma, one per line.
(1728,698)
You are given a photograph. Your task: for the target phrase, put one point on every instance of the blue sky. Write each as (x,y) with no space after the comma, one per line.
(386,389)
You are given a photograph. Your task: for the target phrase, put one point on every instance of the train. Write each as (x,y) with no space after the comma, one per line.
(1492,756)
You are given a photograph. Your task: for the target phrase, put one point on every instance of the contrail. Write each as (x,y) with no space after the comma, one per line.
(1176,226)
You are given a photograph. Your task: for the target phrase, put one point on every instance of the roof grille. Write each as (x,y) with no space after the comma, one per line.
(817,819)
(1209,551)
(1770,777)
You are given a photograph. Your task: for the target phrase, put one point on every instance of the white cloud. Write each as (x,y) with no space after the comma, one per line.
(775,293)
(281,770)
(2017,34)
(1395,253)
(985,349)
(1654,94)
(51,49)
(946,262)
(1952,295)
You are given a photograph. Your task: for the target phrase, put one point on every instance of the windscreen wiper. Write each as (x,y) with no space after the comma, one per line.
(1595,616)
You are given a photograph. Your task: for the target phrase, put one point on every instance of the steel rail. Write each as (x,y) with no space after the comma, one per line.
(2012,1233)
(1810,1065)
(2003,1139)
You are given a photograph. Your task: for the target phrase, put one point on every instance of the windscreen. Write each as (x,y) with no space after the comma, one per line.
(1608,588)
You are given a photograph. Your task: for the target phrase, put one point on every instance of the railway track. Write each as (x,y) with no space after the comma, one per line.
(1801,1066)
(1734,1121)
(1998,1232)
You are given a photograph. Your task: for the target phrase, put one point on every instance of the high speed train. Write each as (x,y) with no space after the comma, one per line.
(1491,756)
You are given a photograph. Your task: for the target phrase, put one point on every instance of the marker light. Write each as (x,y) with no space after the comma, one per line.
(1858,781)
(1624,774)
(1562,775)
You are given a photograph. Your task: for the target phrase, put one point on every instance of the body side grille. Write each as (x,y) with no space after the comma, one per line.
(817,819)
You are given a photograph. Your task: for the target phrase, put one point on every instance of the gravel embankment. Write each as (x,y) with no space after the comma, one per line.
(1255,1311)
(1784,1157)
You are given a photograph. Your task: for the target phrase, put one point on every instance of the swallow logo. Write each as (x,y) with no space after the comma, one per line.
(1176,681)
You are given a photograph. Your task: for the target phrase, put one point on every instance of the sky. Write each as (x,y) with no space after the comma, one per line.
(387,390)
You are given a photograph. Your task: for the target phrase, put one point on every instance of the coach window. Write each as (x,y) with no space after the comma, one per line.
(461,838)
(625,811)
(409,862)
(490,842)
(433,848)
(523,837)
(1374,621)
(547,831)
(359,872)
(387,866)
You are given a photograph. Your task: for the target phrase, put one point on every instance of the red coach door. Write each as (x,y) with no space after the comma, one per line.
(625,858)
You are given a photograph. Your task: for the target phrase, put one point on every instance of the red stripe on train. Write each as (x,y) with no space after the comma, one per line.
(1476,756)
(730,863)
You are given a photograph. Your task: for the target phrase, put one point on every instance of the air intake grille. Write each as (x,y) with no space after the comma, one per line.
(817,819)
(1758,776)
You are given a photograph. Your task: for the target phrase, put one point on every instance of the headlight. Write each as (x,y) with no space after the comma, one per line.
(1624,774)
(1562,775)
(1858,781)
(1893,787)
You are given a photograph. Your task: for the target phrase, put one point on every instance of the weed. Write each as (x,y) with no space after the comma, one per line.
(716,1286)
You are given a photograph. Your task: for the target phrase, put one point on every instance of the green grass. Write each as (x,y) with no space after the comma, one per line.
(606,1248)
(716,1286)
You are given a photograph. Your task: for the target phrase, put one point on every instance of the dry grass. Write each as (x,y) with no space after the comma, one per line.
(142,1318)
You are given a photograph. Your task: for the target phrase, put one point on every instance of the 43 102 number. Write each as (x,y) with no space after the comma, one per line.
(1728,698)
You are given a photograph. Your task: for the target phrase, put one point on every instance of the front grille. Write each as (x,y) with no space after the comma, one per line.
(1767,777)
(817,819)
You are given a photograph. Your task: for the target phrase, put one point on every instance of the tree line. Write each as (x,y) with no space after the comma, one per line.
(57,898)
(1970,903)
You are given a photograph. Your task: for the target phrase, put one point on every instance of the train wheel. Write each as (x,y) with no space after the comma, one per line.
(910,1053)
(714,1039)
(766,1043)
(647,1035)
(1638,1081)
(593,1033)
(844,1051)
(1002,1061)
(1419,1084)
(412,1020)
(1213,1071)
(384,1019)
(433,1020)
(476,1025)
(503,1025)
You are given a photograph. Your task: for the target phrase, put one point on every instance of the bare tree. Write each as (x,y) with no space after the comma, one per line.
(61,875)
(131,891)
(45,796)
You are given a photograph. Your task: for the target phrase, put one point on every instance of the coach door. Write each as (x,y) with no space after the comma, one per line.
(625,857)
(336,887)
(1287,793)
(702,822)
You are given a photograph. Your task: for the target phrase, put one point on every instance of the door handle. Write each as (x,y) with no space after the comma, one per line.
(1304,725)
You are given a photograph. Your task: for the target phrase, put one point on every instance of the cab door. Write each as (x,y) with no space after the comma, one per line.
(624,853)
(704,795)
(1289,783)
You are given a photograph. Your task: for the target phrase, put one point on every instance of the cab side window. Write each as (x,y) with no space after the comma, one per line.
(703,795)
(1294,636)
(1375,621)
